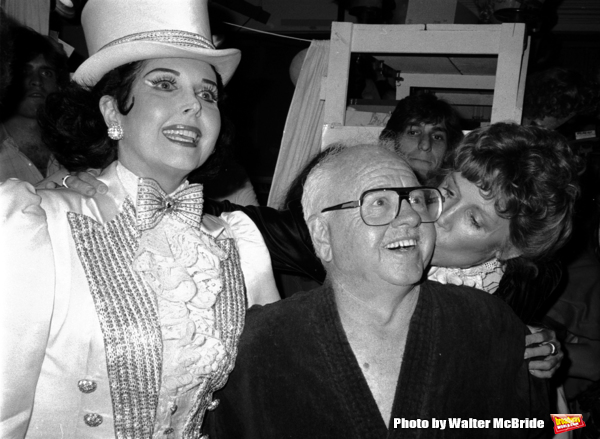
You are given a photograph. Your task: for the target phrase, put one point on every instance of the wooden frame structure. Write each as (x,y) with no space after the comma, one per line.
(506,44)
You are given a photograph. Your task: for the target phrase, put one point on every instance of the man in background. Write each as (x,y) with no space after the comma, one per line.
(424,129)
(39,68)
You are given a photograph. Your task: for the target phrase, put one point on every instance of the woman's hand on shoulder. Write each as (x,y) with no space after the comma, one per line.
(18,199)
(543,351)
(85,183)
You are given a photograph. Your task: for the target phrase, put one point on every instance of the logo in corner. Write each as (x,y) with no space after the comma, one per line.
(564,423)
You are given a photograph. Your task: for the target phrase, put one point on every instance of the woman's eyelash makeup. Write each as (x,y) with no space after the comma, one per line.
(209,89)
(158,80)
(205,88)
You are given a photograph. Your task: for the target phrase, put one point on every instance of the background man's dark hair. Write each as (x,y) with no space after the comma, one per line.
(26,45)
(423,108)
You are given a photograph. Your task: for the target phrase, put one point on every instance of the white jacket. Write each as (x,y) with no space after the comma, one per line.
(50,335)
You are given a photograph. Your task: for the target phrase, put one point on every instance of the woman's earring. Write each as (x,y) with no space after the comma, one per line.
(115,131)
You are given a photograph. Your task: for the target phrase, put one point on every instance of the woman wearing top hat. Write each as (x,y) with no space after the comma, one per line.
(120,314)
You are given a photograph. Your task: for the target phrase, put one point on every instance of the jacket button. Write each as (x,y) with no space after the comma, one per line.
(92,419)
(87,386)
(168,430)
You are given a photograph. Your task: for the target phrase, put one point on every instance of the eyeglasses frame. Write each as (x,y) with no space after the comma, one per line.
(403,193)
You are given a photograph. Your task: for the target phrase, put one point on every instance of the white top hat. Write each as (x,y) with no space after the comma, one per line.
(118,32)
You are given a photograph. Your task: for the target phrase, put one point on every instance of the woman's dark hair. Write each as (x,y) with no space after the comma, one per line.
(423,108)
(532,175)
(74,129)
(73,126)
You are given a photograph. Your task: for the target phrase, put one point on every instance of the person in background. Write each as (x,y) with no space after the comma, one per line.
(424,129)
(375,343)
(39,69)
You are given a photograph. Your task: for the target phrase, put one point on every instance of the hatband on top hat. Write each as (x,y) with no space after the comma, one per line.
(118,32)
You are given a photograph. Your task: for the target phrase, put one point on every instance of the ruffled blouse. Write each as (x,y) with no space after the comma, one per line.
(484,277)
(181,264)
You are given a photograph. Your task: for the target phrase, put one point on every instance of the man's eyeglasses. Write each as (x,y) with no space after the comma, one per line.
(379,207)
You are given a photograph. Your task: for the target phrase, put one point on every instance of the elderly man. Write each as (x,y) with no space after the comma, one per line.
(376,352)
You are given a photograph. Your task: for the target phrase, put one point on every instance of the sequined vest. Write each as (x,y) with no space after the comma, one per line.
(129,318)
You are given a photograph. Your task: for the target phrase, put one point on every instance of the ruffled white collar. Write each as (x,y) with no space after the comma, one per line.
(485,277)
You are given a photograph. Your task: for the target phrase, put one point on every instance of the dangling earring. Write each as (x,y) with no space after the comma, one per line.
(115,131)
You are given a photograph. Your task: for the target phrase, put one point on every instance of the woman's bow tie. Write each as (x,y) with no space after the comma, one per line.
(153,204)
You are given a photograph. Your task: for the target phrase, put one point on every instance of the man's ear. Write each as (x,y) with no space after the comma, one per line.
(509,251)
(110,111)
(319,233)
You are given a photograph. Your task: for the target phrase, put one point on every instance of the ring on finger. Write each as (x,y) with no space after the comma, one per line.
(554,350)
(64,180)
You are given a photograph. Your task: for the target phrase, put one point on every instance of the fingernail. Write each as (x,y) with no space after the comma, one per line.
(103,189)
(89,192)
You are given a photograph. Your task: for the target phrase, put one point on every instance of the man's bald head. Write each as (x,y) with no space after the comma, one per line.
(336,167)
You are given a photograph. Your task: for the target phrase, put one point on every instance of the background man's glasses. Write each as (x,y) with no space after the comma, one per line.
(379,207)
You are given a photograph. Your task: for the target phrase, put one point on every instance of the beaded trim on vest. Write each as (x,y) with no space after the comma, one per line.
(128,316)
